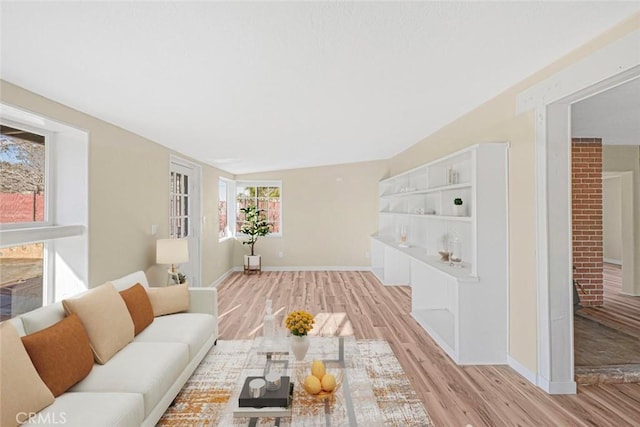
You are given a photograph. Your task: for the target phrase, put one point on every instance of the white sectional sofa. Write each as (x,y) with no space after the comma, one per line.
(138,384)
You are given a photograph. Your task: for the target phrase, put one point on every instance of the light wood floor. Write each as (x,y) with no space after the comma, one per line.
(621,312)
(609,335)
(453,395)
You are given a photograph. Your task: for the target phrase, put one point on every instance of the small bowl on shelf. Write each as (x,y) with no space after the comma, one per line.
(444,255)
(307,375)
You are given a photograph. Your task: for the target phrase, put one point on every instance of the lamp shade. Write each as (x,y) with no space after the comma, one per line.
(172,251)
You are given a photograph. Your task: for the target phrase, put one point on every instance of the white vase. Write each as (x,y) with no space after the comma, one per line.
(252,263)
(459,210)
(300,346)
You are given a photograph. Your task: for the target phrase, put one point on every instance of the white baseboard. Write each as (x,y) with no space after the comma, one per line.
(551,387)
(612,261)
(314,268)
(557,387)
(221,278)
(522,370)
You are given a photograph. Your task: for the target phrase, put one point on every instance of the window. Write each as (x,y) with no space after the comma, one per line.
(266,195)
(22,279)
(225,209)
(35,253)
(179,215)
(22,176)
(22,202)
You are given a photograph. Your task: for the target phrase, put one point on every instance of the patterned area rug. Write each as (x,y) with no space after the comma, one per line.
(206,394)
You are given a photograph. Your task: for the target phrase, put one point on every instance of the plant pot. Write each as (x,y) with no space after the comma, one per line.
(300,346)
(252,263)
(459,210)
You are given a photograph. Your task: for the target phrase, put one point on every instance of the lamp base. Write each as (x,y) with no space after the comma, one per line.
(172,277)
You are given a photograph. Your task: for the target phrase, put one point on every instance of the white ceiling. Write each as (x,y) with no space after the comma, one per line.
(613,115)
(265,86)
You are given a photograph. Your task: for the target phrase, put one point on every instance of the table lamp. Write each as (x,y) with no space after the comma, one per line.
(172,251)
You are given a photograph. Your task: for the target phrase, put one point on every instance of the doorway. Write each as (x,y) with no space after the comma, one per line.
(185,213)
(607,337)
(551,102)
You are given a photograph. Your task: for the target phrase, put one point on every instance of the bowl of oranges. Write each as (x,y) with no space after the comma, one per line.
(322,379)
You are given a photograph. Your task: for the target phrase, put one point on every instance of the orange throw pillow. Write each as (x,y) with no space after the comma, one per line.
(139,307)
(61,354)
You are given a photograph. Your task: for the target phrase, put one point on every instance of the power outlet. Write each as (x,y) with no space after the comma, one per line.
(366,255)
(280,254)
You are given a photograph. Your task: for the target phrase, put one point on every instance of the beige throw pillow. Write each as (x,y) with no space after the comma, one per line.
(168,300)
(106,319)
(21,389)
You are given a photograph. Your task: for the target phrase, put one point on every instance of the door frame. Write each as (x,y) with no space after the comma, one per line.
(551,101)
(196,212)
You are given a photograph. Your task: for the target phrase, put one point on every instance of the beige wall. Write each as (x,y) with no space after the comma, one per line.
(496,120)
(328,214)
(127,195)
(612,219)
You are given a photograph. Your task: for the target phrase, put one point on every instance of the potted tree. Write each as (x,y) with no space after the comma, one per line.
(255,225)
(458,208)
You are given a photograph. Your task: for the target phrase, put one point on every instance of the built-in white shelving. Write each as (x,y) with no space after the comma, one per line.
(463,306)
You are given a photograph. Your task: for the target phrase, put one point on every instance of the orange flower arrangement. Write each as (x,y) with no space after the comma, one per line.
(299,322)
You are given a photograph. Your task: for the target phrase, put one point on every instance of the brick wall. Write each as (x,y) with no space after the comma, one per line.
(586,203)
(18,207)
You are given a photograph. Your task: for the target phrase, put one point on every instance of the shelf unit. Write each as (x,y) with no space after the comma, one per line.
(463,307)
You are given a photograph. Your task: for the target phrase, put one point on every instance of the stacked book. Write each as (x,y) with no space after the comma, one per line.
(268,402)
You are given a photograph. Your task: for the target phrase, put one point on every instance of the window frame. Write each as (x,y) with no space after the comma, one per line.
(178,204)
(56,225)
(230,231)
(259,183)
(49,176)
(25,233)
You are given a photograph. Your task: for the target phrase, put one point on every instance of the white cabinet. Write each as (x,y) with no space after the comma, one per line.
(463,306)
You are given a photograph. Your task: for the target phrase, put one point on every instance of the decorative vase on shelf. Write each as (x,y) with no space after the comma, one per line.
(459,209)
(300,346)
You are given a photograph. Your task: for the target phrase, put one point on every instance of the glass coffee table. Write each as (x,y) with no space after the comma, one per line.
(354,403)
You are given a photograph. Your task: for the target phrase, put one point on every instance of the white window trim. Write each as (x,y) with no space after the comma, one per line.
(50,230)
(25,236)
(231,208)
(49,176)
(259,183)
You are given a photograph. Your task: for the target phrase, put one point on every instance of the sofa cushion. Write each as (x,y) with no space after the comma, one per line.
(106,319)
(17,323)
(139,306)
(170,299)
(60,353)
(146,368)
(193,329)
(43,317)
(21,389)
(92,409)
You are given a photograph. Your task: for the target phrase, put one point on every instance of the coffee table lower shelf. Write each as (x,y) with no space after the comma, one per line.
(261,412)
